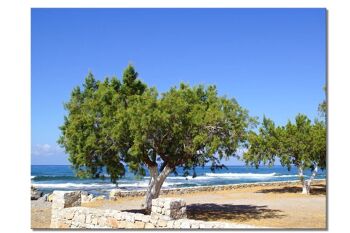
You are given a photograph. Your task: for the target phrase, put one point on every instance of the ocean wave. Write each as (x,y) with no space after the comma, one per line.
(63,177)
(287,176)
(241,175)
(145,184)
(96,185)
(74,186)
(42,178)
(189,178)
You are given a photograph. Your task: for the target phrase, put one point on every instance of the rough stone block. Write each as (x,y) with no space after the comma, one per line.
(112,222)
(102,221)
(122,224)
(162,223)
(94,220)
(185,225)
(130,217)
(177,224)
(88,218)
(80,218)
(170,224)
(139,224)
(114,194)
(149,225)
(118,215)
(63,225)
(65,199)
(173,208)
(145,218)
(69,215)
(154,221)
(129,225)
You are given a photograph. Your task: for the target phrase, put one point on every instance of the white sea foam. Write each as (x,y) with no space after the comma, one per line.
(241,175)
(32,177)
(287,176)
(144,184)
(96,185)
(189,178)
(170,181)
(74,185)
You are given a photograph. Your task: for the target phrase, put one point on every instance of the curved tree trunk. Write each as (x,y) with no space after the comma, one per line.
(308,183)
(305,188)
(302,180)
(155,185)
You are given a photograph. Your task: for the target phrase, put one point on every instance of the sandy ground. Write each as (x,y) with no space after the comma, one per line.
(40,214)
(272,206)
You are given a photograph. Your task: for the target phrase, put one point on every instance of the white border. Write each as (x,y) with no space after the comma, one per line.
(15,97)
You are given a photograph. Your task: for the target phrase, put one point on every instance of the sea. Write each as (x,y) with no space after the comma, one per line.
(47,178)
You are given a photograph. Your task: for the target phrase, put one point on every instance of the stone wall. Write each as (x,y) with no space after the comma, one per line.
(116,193)
(166,213)
(168,208)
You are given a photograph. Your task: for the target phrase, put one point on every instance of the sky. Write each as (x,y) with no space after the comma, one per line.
(272,61)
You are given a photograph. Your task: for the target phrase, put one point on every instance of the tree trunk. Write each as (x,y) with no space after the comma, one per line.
(305,188)
(308,183)
(155,185)
(302,180)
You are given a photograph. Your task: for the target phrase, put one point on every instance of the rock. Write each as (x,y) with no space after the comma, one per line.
(35,194)
(118,216)
(102,221)
(149,225)
(139,224)
(138,217)
(80,218)
(45,197)
(69,215)
(195,225)
(162,223)
(170,224)
(122,224)
(65,199)
(86,197)
(115,193)
(206,225)
(98,198)
(113,222)
(145,218)
(88,218)
(185,225)
(50,197)
(129,217)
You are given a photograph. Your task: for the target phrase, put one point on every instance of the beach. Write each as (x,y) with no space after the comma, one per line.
(276,205)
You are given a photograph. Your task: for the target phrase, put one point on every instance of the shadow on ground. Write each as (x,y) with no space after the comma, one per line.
(136,211)
(318,189)
(216,212)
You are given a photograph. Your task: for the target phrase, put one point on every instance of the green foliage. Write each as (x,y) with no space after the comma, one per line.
(92,133)
(322,107)
(264,146)
(187,127)
(112,123)
(301,144)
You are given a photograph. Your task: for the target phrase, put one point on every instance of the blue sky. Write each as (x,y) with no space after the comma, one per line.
(272,61)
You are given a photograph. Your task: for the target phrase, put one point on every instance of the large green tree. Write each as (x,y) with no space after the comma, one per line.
(301,144)
(112,124)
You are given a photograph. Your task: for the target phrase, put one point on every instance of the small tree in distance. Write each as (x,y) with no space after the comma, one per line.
(112,124)
(299,144)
